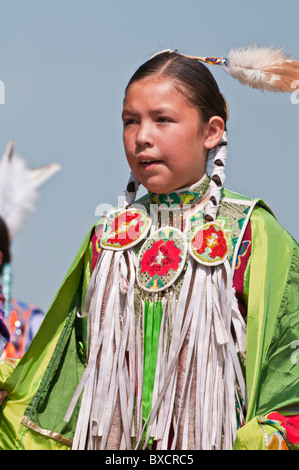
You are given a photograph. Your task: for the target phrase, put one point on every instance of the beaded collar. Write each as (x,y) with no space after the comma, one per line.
(189,195)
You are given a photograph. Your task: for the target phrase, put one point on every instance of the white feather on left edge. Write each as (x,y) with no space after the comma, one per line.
(18,188)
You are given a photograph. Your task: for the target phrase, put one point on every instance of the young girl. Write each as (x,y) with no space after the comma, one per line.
(176,325)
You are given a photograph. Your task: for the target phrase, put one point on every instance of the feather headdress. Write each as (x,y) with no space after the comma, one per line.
(18,188)
(263,68)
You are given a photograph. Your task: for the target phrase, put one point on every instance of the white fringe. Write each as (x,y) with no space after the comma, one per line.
(202,316)
(211,359)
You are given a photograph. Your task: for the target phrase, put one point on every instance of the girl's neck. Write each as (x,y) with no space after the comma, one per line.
(193,194)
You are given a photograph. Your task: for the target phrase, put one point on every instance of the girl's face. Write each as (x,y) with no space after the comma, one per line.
(164,138)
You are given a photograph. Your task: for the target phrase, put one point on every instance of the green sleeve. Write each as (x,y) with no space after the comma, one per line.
(261,434)
(272,374)
(34,381)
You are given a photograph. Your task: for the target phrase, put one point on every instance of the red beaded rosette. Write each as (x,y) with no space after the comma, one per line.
(126,229)
(209,244)
(160,258)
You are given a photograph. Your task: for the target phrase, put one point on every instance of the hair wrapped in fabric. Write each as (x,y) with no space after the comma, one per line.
(217,179)
(131,190)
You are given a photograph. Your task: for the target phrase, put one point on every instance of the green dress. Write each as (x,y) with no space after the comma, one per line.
(42,384)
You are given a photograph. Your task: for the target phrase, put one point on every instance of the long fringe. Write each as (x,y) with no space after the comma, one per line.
(196,368)
(202,318)
(106,382)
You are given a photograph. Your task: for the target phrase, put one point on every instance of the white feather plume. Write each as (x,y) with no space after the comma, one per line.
(264,68)
(18,188)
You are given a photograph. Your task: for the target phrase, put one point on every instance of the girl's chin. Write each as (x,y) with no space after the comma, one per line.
(159,189)
(154,185)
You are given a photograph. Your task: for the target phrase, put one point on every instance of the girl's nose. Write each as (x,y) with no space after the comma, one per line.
(144,135)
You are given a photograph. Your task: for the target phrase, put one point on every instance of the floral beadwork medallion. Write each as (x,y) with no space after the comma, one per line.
(209,244)
(125,229)
(161,259)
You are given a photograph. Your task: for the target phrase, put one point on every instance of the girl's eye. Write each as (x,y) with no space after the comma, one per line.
(128,122)
(164,119)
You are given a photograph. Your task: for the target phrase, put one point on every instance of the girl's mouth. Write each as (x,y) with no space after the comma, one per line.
(148,163)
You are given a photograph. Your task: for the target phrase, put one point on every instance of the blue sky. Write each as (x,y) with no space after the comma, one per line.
(65,64)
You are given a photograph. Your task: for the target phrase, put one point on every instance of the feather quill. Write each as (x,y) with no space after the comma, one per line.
(264,68)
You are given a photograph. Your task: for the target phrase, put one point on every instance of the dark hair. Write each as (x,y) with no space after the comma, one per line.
(4,243)
(192,78)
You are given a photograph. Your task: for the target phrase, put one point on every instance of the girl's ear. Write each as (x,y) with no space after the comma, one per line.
(214,132)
